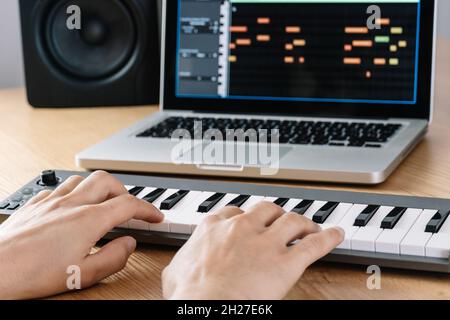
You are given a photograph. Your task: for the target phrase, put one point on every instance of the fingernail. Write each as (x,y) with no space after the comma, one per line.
(131,245)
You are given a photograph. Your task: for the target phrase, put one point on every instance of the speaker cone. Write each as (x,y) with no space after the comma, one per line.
(103,45)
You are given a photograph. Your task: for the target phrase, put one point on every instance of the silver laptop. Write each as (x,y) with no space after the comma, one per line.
(333,91)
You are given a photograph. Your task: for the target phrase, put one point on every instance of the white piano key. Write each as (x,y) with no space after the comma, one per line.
(416,239)
(364,239)
(347,223)
(134,223)
(390,239)
(291,204)
(252,201)
(338,214)
(439,244)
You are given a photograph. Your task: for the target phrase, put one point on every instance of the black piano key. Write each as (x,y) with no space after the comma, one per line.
(136,190)
(364,217)
(303,206)
(211,202)
(154,195)
(238,201)
(4,205)
(281,202)
(437,221)
(392,218)
(322,215)
(171,201)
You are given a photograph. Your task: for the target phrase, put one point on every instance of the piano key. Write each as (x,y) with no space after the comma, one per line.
(437,221)
(135,190)
(364,238)
(347,223)
(390,239)
(439,244)
(209,203)
(323,213)
(315,206)
(238,201)
(338,214)
(364,217)
(417,238)
(281,202)
(393,218)
(154,195)
(302,206)
(171,201)
(178,218)
(252,201)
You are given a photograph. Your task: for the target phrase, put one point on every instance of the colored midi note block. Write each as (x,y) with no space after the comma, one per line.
(263,20)
(243,42)
(263,37)
(299,42)
(288,59)
(402,43)
(397,30)
(239,29)
(293,29)
(394,61)
(356,30)
(362,43)
(232,58)
(383,21)
(379,61)
(393,48)
(352,60)
(382,39)
(289,46)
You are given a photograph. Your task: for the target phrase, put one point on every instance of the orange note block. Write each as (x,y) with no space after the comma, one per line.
(356,30)
(352,60)
(263,37)
(239,29)
(293,29)
(299,42)
(348,47)
(288,59)
(263,20)
(379,61)
(362,43)
(289,46)
(243,42)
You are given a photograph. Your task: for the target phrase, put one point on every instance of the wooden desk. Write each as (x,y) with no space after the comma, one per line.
(32,140)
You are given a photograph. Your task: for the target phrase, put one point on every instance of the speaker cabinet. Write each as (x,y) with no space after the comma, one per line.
(111,58)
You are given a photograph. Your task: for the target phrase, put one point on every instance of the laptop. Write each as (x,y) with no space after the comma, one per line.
(335,91)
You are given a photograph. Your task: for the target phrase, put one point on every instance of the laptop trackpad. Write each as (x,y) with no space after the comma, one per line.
(234,154)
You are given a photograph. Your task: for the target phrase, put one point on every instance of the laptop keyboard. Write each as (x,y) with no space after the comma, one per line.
(340,134)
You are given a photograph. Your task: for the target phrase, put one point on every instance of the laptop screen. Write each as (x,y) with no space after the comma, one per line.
(302,52)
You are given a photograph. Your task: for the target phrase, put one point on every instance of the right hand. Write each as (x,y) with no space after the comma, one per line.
(237,255)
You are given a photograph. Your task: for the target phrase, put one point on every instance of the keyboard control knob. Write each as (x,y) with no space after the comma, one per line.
(48,178)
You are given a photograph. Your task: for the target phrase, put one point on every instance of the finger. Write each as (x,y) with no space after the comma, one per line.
(68,186)
(316,246)
(107,261)
(119,210)
(292,226)
(265,213)
(39,197)
(98,187)
(229,212)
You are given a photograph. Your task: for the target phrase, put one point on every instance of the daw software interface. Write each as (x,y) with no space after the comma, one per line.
(299,50)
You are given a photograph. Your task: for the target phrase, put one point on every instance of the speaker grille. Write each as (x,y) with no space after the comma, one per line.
(102,47)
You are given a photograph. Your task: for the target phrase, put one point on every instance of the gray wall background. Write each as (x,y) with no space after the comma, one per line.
(11,71)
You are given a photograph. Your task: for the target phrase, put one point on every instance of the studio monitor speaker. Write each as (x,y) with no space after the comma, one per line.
(91,52)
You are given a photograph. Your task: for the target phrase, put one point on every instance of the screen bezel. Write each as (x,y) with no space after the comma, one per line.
(421,110)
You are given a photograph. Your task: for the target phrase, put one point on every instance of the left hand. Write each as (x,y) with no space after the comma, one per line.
(59,229)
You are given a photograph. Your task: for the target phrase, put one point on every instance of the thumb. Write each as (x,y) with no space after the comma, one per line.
(109,260)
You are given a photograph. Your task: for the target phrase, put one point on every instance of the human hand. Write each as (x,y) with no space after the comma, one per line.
(236,255)
(58,229)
